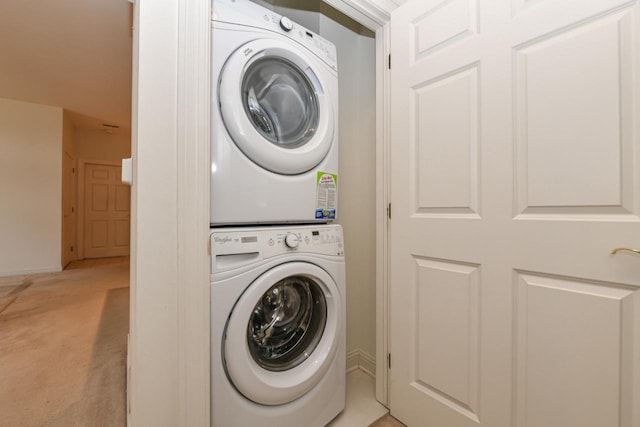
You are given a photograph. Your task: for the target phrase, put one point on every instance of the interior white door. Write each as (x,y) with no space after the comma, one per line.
(106,212)
(515,170)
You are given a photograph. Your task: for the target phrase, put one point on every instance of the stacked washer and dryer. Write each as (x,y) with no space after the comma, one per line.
(277,263)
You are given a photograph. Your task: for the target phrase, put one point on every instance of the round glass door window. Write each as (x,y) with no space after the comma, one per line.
(280,101)
(276,103)
(287,323)
(283,333)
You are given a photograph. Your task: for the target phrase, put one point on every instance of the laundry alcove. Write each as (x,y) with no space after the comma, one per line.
(355,45)
(169,360)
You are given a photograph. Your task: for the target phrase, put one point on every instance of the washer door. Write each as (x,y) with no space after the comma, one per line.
(276,107)
(282,335)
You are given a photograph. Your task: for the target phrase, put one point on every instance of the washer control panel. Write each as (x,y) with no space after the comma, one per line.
(231,248)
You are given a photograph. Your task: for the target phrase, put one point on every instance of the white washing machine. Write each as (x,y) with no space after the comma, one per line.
(278,326)
(274,129)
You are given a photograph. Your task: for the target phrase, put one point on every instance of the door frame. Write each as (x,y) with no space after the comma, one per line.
(168,362)
(377,19)
(383,211)
(69,256)
(82,165)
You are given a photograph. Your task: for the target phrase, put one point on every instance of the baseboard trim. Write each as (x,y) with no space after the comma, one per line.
(28,272)
(360,359)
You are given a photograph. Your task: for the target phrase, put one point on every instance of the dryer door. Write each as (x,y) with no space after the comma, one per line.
(282,335)
(276,107)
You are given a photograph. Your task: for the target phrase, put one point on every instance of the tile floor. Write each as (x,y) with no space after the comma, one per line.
(362,407)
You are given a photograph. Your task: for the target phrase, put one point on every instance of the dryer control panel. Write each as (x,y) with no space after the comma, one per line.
(249,14)
(232,248)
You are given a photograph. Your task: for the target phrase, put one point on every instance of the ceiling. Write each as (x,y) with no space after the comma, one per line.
(75,54)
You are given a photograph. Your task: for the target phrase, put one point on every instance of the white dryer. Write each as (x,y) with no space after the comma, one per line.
(274,129)
(278,326)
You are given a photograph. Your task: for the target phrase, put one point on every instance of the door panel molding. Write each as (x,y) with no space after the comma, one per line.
(597,329)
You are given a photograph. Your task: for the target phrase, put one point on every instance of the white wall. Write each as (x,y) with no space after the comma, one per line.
(154,381)
(30,187)
(357,179)
(97,145)
(169,328)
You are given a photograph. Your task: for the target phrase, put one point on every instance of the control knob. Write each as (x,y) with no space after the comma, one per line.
(292,241)
(286,24)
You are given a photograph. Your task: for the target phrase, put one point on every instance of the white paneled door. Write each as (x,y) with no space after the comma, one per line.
(515,170)
(106,212)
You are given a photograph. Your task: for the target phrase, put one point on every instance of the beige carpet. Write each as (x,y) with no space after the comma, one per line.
(63,346)
(387,421)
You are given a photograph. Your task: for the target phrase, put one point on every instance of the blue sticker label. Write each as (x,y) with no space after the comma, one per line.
(325,214)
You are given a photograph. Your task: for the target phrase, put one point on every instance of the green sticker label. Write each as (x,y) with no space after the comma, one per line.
(326,195)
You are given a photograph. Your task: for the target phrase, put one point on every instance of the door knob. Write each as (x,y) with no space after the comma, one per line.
(616,250)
